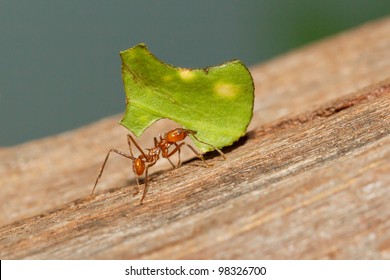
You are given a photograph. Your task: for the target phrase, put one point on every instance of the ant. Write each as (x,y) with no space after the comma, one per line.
(144,161)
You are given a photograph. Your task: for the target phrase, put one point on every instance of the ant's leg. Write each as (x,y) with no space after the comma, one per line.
(136,191)
(131,139)
(105,161)
(178,155)
(172,163)
(176,149)
(198,154)
(146,182)
(145,187)
(215,148)
(155,142)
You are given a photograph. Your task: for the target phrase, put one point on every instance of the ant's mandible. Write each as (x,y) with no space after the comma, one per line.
(144,161)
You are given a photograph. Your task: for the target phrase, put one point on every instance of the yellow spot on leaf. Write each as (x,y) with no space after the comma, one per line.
(186,74)
(226,90)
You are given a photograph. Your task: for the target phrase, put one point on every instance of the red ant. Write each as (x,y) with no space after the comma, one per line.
(144,161)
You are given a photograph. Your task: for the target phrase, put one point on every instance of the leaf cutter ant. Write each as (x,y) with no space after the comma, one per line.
(144,161)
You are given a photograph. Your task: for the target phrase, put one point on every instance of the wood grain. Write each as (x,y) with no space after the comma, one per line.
(310,179)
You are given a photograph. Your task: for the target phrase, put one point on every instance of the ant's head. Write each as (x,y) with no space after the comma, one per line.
(189,131)
(178,134)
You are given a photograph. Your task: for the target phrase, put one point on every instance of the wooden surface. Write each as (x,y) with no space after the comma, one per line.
(310,179)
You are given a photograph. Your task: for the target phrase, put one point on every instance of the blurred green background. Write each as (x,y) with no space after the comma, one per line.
(59,60)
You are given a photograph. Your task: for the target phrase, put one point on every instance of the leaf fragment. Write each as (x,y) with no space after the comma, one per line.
(217,102)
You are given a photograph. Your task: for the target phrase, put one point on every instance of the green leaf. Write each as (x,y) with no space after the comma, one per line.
(217,102)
